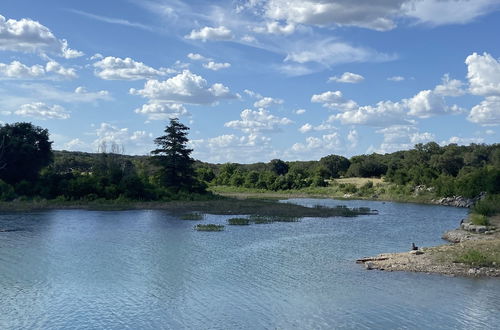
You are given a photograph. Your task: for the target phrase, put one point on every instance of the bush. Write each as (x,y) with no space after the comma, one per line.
(209,227)
(488,206)
(192,216)
(239,221)
(479,219)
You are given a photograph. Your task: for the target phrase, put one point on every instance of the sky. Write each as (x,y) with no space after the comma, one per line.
(254,80)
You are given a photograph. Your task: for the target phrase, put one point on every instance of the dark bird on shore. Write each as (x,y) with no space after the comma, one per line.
(414,247)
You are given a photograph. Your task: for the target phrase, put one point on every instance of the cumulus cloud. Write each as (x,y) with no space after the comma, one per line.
(486,113)
(186,88)
(162,111)
(334,100)
(136,142)
(40,110)
(382,114)
(353,138)
(266,102)
(19,71)
(327,143)
(483,72)
(401,137)
(276,28)
(216,66)
(259,121)
(115,68)
(348,77)
(461,140)
(220,33)
(450,87)
(197,57)
(28,36)
(300,111)
(322,127)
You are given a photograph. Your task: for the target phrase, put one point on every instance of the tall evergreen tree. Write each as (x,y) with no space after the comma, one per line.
(173,156)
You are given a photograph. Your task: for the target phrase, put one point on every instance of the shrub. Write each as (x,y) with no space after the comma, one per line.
(192,216)
(479,219)
(488,206)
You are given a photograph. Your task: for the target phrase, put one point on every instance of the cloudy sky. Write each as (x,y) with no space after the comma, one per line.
(257,79)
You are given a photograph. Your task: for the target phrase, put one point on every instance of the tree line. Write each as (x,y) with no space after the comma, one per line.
(29,168)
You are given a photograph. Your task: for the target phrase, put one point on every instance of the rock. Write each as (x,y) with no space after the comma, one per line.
(369,265)
(417,252)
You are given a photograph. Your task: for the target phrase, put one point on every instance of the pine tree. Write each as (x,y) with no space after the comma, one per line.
(173,156)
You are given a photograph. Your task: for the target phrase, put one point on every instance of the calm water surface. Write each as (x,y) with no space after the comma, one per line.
(74,269)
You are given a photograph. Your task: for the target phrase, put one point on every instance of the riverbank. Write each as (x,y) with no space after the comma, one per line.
(471,253)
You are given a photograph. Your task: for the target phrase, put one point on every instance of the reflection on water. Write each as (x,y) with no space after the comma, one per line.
(148,269)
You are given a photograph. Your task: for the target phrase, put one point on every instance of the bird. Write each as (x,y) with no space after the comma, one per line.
(414,247)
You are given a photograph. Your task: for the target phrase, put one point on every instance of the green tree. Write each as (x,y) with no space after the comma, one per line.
(173,156)
(335,165)
(26,149)
(279,167)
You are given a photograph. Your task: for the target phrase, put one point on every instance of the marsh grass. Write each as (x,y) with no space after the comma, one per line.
(192,216)
(475,258)
(209,227)
(238,221)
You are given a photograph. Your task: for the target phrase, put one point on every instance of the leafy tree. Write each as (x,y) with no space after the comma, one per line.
(173,156)
(335,165)
(26,149)
(279,167)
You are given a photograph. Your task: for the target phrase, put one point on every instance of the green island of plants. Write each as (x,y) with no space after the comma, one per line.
(209,227)
(192,216)
(238,221)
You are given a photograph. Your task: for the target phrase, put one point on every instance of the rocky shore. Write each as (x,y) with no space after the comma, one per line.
(459,201)
(443,259)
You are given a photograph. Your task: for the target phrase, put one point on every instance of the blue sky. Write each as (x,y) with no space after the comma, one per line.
(254,80)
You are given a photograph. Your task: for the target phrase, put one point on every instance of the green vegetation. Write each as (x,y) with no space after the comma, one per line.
(30,170)
(238,221)
(192,216)
(488,206)
(479,219)
(475,258)
(209,227)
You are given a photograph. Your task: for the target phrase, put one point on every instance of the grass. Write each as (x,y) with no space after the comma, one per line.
(209,227)
(475,258)
(238,221)
(192,216)
(479,219)
(358,182)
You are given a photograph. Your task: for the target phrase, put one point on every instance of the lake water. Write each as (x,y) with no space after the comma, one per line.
(74,269)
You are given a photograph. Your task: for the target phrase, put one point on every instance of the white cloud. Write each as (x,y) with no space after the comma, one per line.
(40,110)
(317,146)
(220,33)
(197,57)
(462,141)
(396,78)
(486,113)
(75,145)
(383,114)
(19,71)
(115,68)
(276,28)
(137,142)
(216,66)
(322,127)
(330,52)
(186,87)
(483,74)
(252,94)
(254,122)
(365,14)
(348,77)
(306,128)
(353,138)
(426,104)
(266,102)
(53,66)
(450,87)
(47,92)
(442,12)
(300,111)
(334,100)
(28,36)
(401,137)
(162,111)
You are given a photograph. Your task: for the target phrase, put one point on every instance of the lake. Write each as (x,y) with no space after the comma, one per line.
(147,269)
